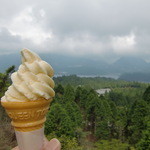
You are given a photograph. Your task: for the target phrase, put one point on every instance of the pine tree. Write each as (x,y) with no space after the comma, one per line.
(59,89)
(83,98)
(69,94)
(74,113)
(144,143)
(58,121)
(78,94)
(138,113)
(146,95)
(5,79)
(103,120)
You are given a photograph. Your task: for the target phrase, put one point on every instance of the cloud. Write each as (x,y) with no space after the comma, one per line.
(99,28)
(79,45)
(124,44)
(27,27)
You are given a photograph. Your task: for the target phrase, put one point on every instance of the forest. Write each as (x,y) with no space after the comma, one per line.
(83,119)
(136,76)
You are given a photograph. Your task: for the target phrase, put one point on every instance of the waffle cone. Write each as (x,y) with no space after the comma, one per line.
(27,116)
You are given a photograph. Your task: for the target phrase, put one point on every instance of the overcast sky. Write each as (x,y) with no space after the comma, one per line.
(89,28)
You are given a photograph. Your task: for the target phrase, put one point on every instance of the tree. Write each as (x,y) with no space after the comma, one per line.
(69,94)
(98,115)
(113,144)
(58,121)
(144,143)
(146,95)
(83,98)
(7,135)
(59,89)
(110,117)
(118,98)
(103,120)
(74,113)
(78,94)
(139,111)
(5,80)
(121,124)
(90,107)
(4,83)
(67,143)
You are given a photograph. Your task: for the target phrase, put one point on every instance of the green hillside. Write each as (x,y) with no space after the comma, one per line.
(84,120)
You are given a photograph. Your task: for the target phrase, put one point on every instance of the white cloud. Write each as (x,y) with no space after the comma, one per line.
(25,26)
(42,13)
(83,45)
(76,45)
(77,27)
(124,44)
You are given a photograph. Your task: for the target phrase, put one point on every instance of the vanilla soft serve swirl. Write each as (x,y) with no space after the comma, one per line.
(32,81)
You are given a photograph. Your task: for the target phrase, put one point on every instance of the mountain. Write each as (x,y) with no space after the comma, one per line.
(130,65)
(136,76)
(61,64)
(9,60)
(65,65)
(75,65)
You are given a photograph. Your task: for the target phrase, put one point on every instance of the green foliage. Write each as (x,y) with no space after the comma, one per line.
(102,130)
(78,94)
(74,113)
(121,123)
(139,111)
(99,115)
(118,98)
(146,95)
(5,80)
(79,117)
(67,143)
(59,121)
(7,135)
(10,70)
(64,116)
(111,145)
(111,115)
(59,89)
(83,98)
(69,94)
(95,83)
(113,108)
(144,143)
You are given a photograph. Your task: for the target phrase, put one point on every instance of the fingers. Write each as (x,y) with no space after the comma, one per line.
(53,144)
(15,148)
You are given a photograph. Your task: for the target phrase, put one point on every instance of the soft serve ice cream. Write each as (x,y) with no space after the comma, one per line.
(33,80)
(28,99)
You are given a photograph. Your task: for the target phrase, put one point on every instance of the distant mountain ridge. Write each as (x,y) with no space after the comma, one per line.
(130,65)
(82,66)
(136,76)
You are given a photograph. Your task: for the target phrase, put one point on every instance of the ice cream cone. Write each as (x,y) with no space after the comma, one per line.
(27,100)
(27,116)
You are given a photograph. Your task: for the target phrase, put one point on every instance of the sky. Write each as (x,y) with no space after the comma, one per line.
(106,29)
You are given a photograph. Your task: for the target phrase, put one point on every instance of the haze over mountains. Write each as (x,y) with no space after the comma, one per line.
(65,65)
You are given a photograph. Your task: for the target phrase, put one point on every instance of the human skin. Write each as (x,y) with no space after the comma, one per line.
(53,144)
